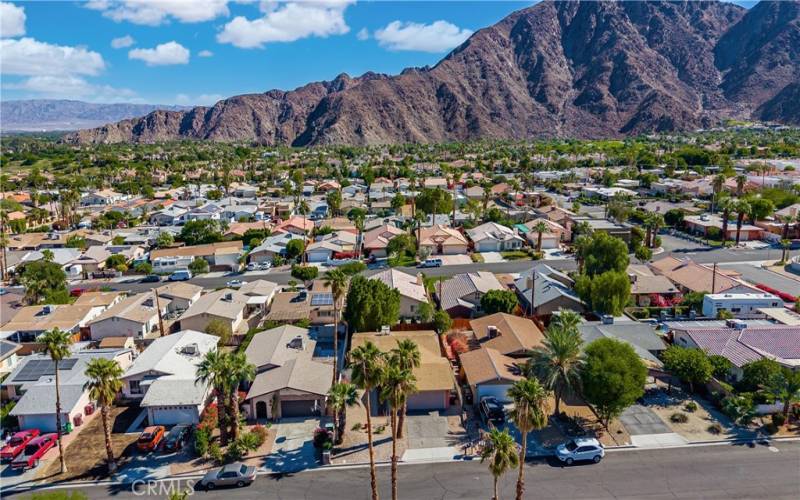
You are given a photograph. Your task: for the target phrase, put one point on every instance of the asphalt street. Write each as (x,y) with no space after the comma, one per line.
(723,471)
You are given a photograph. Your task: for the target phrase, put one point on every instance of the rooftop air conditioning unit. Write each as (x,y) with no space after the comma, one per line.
(492,331)
(190,349)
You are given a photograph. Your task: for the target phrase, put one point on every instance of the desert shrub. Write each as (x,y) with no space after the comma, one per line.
(215,452)
(691,406)
(356,426)
(380,429)
(260,432)
(715,428)
(679,418)
(778,419)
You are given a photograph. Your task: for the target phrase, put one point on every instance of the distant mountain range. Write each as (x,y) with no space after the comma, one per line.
(564,69)
(34,115)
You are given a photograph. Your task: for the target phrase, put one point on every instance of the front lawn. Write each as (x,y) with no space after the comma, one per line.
(402,261)
(515,255)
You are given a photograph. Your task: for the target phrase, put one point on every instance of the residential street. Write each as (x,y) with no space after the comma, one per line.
(724,471)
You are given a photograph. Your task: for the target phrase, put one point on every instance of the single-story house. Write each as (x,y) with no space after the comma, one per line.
(493,237)
(31,321)
(180,294)
(136,316)
(411,288)
(226,305)
(641,336)
(164,378)
(222,256)
(552,290)
(443,240)
(489,373)
(700,224)
(272,246)
(508,334)
(376,240)
(461,295)
(8,356)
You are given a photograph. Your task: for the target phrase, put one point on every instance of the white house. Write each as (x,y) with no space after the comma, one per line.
(493,237)
(738,304)
(164,377)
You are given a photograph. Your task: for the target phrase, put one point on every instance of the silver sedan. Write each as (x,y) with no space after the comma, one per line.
(235,474)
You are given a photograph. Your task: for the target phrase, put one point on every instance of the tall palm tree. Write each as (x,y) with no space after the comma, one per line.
(341,396)
(716,187)
(726,205)
(567,319)
(742,208)
(501,452)
(741,180)
(419,217)
(558,361)
(657,222)
(365,362)
(239,369)
(530,399)
(56,344)
(359,223)
(397,384)
(104,383)
(213,370)
(407,356)
(303,208)
(337,281)
(540,227)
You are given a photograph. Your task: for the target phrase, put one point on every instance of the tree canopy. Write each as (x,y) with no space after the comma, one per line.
(371,304)
(200,232)
(613,377)
(495,301)
(688,364)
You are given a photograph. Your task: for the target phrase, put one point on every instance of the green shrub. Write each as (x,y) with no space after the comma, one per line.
(778,419)
(215,452)
(679,418)
(691,407)
(715,428)
(202,436)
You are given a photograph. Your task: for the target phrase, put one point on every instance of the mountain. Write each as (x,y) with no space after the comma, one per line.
(54,114)
(564,69)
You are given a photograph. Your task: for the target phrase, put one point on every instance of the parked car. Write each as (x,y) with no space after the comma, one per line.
(17,444)
(151,278)
(150,438)
(77,292)
(580,449)
(492,410)
(431,263)
(264,266)
(235,474)
(252,266)
(34,451)
(176,436)
(235,284)
(181,275)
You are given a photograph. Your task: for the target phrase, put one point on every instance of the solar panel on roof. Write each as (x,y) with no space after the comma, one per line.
(322,299)
(38,368)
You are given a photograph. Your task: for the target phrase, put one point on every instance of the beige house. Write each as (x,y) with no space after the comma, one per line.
(489,373)
(137,316)
(180,294)
(32,321)
(226,305)
(443,240)
(411,288)
(376,240)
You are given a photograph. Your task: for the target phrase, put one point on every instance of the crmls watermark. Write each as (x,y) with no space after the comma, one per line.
(142,488)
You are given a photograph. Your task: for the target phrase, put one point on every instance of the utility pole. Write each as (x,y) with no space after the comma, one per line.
(533,291)
(714,279)
(160,318)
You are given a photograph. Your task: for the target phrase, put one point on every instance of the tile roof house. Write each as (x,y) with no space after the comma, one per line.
(434,375)
(136,316)
(376,240)
(272,246)
(493,237)
(690,276)
(288,382)
(461,295)
(296,225)
(164,378)
(443,240)
(508,334)
(411,288)
(32,321)
(743,344)
(489,373)
(645,284)
(32,385)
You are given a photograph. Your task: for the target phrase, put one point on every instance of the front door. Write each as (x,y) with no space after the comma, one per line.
(261,409)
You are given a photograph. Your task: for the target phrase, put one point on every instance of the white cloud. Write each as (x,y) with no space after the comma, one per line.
(12,20)
(436,37)
(363,34)
(155,12)
(200,100)
(162,55)
(205,53)
(122,42)
(29,57)
(72,87)
(287,22)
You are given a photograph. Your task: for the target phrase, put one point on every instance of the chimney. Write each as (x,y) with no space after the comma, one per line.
(492,331)
(420,281)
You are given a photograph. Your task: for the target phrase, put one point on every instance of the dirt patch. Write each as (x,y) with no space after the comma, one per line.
(188,462)
(85,456)
(701,423)
(354,447)
(615,435)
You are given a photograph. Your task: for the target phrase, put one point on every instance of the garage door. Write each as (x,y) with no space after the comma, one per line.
(427,400)
(302,408)
(498,391)
(173,416)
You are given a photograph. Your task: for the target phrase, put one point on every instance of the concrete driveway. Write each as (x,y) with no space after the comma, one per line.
(428,438)
(647,430)
(294,445)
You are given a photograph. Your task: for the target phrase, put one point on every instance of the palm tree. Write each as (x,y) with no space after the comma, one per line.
(788,389)
(341,396)
(337,281)
(558,361)
(239,369)
(501,452)
(213,370)
(365,361)
(528,414)
(419,217)
(303,208)
(657,222)
(742,208)
(397,384)
(716,186)
(741,180)
(567,319)
(56,344)
(407,356)
(727,205)
(540,227)
(359,223)
(104,383)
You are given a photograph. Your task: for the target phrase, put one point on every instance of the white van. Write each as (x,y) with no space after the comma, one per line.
(181,275)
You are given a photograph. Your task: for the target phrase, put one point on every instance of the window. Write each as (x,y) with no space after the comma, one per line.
(135,388)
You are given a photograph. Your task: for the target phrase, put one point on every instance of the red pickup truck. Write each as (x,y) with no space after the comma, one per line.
(34,451)
(17,444)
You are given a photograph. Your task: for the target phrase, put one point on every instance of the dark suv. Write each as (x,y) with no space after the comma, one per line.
(492,411)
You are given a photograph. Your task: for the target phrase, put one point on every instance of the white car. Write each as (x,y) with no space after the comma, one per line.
(580,449)
(253,266)
(235,283)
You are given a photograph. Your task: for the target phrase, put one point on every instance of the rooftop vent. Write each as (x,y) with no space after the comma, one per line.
(190,349)
(492,331)
(296,343)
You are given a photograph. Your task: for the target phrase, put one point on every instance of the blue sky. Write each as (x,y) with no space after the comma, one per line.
(182,52)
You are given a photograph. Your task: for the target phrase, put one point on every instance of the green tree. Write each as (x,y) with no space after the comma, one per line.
(643,254)
(604,253)
(495,301)
(407,356)
(219,328)
(425,312)
(721,366)
(56,343)
(759,375)
(42,279)
(612,377)
(501,453)
(334,200)
(540,228)
(740,408)
(76,241)
(117,262)
(213,370)
(165,239)
(557,362)
(143,267)
(295,248)
(688,364)
(607,293)
(104,384)
(365,362)
(371,304)
(341,396)
(337,281)
(397,383)
(434,201)
(238,370)
(200,232)
(199,266)
(786,388)
(442,321)
(402,244)
(529,414)
(304,273)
